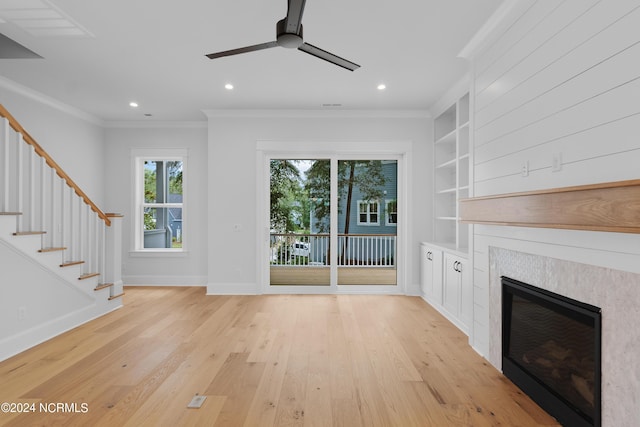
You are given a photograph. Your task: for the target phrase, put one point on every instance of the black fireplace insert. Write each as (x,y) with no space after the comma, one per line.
(551,350)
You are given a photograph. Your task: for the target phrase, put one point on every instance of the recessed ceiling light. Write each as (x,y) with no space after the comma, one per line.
(228,86)
(133,104)
(382,86)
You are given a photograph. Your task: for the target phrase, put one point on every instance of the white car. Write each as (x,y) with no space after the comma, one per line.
(300,249)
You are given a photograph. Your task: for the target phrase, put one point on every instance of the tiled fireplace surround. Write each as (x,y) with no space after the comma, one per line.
(617,293)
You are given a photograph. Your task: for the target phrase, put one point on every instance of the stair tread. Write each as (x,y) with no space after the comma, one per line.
(103,286)
(70,263)
(88,276)
(28,233)
(52,249)
(116,296)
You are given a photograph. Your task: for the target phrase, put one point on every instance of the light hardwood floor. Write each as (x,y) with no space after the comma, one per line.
(272,360)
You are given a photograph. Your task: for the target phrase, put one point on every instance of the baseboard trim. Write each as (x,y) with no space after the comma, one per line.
(25,340)
(413,290)
(164,280)
(233,289)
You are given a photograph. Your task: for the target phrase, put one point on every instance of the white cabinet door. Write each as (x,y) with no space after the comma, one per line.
(458,297)
(437,256)
(466,296)
(426,272)
(431,274)
(452,284)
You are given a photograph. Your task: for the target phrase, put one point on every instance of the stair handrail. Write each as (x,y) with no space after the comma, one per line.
(16,126)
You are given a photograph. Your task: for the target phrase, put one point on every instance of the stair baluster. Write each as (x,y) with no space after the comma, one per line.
(53,229)
(31,190)
(63,229)
(103,256)
(45,200)
(43,205)
(72,242)
(19,182)
(5,184)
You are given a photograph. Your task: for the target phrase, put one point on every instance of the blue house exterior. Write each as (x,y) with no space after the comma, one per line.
(386,221)
(363,221)
(169,229)
(368,217)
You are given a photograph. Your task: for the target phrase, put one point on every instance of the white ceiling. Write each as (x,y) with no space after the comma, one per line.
(98,55)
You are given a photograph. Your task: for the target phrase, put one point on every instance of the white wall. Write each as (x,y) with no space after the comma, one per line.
(558,79)
(30,287)
(233,192)
(72,138)
(190,267)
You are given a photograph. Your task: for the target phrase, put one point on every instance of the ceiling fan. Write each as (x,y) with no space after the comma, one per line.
(289,35)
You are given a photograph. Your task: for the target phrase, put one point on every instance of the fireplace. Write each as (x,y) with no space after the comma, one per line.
(551,350)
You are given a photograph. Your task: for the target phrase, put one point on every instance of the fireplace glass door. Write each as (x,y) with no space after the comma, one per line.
(553,342)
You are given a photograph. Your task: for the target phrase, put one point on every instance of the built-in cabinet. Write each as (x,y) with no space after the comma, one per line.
(445,276)
(446,284)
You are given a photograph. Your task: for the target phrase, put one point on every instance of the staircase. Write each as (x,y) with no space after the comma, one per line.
(49,225)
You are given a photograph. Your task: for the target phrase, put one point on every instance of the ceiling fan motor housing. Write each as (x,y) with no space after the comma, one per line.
(285,39)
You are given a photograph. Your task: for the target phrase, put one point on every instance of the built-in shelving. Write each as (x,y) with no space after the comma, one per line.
(451,165)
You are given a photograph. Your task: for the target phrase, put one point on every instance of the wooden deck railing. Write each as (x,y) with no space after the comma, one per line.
(15,125)
(354,250)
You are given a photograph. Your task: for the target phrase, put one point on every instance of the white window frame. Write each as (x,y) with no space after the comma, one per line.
(139,156)
(386,212)
(369,203)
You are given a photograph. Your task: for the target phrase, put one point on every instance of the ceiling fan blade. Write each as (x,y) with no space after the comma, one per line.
(295,10)
(242,50)
(327,56)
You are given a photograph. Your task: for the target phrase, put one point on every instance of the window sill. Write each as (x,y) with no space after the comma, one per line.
(158,254)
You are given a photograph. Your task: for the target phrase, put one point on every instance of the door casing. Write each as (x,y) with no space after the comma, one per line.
(333,151)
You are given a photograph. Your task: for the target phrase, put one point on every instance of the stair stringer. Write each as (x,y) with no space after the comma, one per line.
(37,304)
(30,244)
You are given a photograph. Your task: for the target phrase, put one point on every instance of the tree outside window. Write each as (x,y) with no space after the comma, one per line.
(162,206)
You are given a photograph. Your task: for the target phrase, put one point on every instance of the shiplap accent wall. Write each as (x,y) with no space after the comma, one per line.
(559,79)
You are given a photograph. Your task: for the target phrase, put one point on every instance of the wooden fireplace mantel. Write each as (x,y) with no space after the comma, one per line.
(612,206)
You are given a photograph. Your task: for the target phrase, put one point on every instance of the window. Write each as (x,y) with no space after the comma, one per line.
(392,212)
(160,202)
(368,212)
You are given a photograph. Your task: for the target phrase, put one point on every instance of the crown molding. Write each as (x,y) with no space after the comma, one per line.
(347,114)
(450,97)
(495,25)
(49,101)
(142,124)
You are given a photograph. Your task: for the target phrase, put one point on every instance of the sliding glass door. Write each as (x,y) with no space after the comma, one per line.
(300,226)
(367,206)
(333,222)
